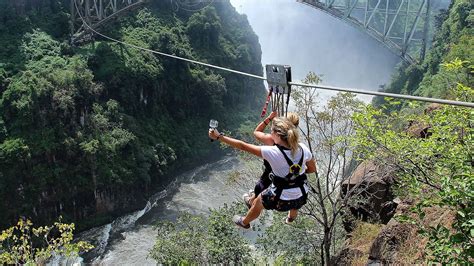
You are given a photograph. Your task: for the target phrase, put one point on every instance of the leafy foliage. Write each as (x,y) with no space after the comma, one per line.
(290,244)
(23,244)
(437,170)
(453,39)
(196,240)
(78,122)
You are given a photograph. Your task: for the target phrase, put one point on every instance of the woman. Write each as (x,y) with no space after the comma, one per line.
(266,139)
(289,161)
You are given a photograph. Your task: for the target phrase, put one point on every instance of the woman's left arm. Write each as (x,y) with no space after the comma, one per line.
(238,144)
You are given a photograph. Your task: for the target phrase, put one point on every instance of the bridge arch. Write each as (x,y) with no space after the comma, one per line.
(401,25)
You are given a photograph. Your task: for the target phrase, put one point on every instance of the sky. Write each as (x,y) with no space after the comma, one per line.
(307,39)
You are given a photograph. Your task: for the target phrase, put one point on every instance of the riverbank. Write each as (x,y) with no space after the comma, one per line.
(128,238)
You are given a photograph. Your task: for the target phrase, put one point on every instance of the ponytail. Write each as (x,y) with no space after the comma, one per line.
(294,118)
(292,140)
(287,131)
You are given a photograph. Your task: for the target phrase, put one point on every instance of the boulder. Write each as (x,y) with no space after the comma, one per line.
(385,248)
(372,183)
(400,243)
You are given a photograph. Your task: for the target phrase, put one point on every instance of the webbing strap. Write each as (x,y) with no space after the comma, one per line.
(287,101)
(264,110)
(290,162)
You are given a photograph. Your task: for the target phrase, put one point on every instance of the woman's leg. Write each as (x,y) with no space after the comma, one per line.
(292,214)
(255,210)
(260,186)
(256,191)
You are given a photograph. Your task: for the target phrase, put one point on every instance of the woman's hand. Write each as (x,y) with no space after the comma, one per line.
(272,115)
(214,133)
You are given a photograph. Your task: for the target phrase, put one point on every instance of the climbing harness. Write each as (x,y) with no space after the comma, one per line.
(271,196)
(278,79)
(295,168)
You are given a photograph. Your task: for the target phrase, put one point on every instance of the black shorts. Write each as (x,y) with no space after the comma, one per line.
(261,185)
(264,180)
(272,202)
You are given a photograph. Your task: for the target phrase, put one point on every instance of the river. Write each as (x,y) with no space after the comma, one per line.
(128,239)
(345,56)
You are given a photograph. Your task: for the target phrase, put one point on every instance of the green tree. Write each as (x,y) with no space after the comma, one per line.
(224,243)
(204,28)
(24,244)
(101,144)
(193,239)
(295,244)
(40,110)
(326,129)
(435,171)
(102,118)
(181,242)
(453,39)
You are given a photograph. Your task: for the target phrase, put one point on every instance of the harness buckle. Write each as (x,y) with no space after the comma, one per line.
(295,169)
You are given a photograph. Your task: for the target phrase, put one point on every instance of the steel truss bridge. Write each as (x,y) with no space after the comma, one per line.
(401,25)
(96,13)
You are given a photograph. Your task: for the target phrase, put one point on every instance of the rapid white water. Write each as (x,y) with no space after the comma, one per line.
(128,239)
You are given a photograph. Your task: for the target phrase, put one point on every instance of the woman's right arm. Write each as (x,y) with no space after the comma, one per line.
(238,144)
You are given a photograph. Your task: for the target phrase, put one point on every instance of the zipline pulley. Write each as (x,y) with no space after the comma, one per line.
(278,79)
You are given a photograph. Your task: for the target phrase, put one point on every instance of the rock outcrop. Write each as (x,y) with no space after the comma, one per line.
(386,247)
(396,243)
(371,182)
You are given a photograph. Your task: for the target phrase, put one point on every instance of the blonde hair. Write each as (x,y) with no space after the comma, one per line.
(294,118)
(287,131)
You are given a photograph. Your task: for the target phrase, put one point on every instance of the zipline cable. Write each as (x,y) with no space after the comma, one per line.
(386,94)
(324,87)
(163,54)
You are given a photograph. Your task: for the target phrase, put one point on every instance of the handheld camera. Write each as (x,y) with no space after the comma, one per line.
(213,125)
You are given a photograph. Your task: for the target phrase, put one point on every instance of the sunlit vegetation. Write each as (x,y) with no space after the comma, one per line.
(83,126)
(91,129)
(24,244)
(454,39)
(200,240)
(434,172)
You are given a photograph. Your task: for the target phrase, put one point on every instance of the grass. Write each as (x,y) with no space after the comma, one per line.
(362,238)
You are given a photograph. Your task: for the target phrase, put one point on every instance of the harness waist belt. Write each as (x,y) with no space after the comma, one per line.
(285,183)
